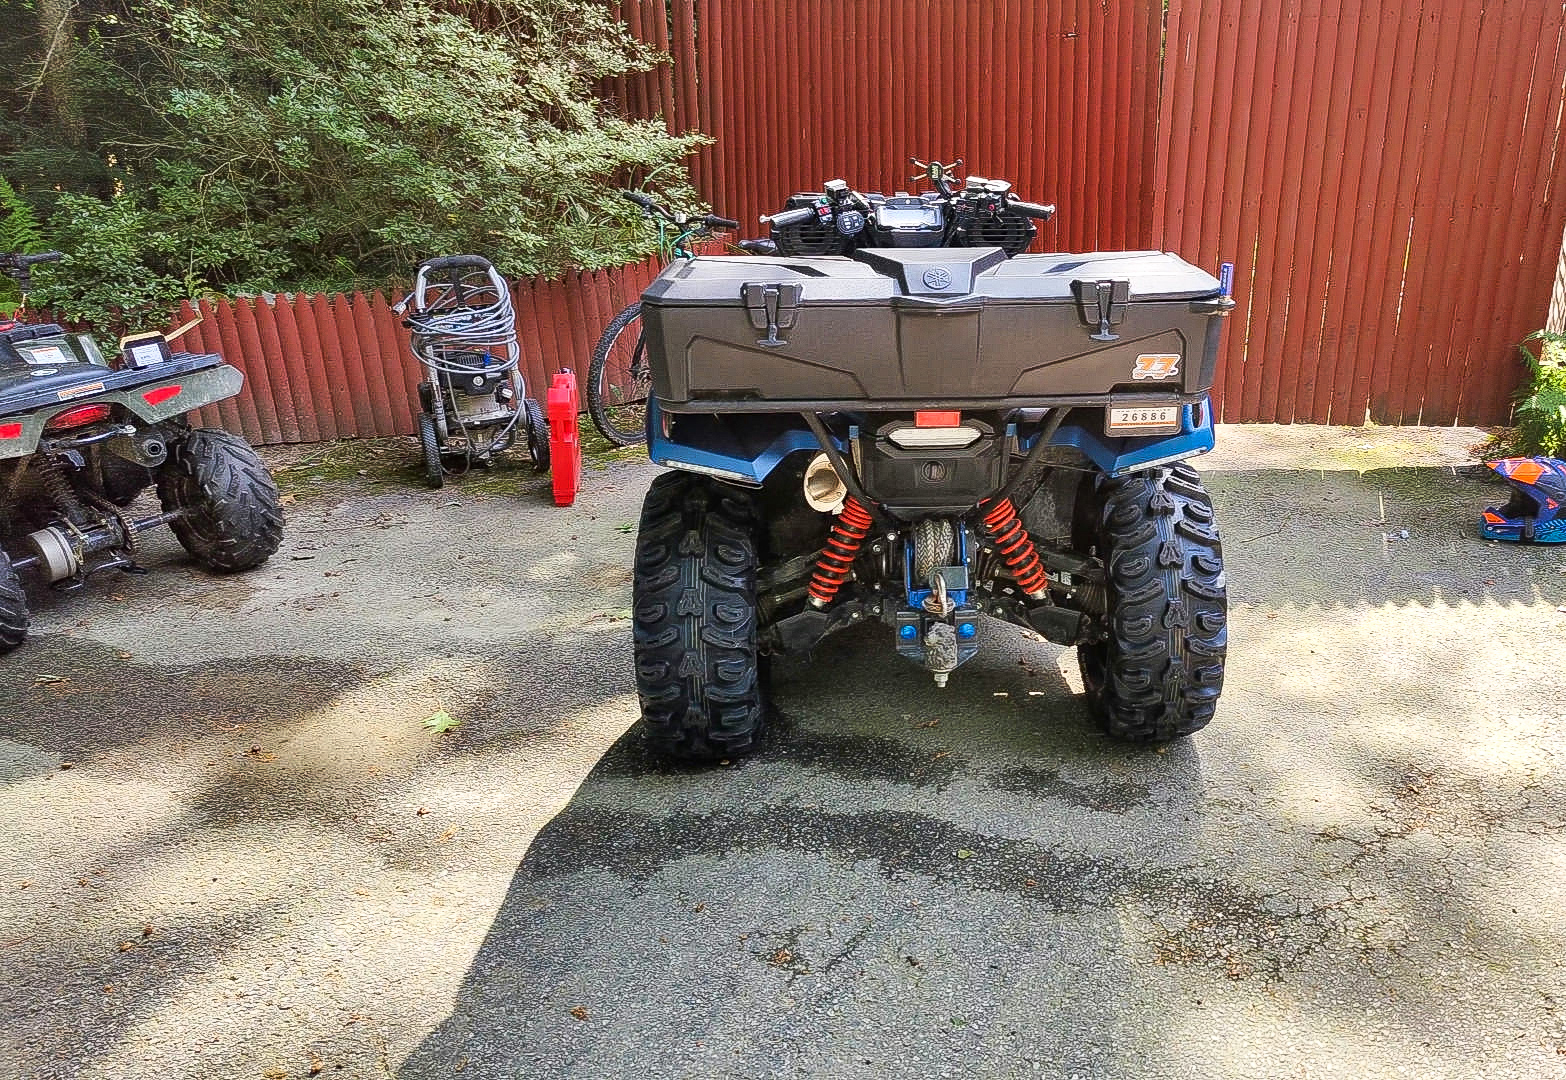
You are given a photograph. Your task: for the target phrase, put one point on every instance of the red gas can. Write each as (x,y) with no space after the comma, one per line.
(565,442)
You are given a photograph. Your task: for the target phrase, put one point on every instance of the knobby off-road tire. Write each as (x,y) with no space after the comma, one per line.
(233,520)
(429,445)
(13,606)
(1159,674)
(694,610)
(619,382)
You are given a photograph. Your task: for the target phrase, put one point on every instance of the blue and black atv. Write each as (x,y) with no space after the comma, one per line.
(894,414)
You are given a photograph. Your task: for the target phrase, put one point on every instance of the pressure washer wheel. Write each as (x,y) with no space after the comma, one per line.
(429,442)
(537,434)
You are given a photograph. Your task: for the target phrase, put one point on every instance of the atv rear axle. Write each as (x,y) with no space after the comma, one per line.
(62,552)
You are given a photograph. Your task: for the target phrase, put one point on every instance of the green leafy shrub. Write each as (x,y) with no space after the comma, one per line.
(1541,404)
(178,147)
(19,232)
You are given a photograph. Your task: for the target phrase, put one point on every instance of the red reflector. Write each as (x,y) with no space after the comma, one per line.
(82,414)
(161,394)
(937,419)
(10,431)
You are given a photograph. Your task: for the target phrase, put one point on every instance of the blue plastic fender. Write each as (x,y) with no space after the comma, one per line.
(1118,456)
(724,456)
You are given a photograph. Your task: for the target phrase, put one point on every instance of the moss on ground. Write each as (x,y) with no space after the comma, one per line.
(303,470)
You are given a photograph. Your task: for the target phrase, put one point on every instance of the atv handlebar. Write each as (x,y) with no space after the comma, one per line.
(644,202)
(784,218)
(18,267)
(1039,211)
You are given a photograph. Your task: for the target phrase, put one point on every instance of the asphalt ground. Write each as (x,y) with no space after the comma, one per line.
(233,849)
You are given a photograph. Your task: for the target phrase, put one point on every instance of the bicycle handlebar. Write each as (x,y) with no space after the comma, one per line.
(18,261)
(652,208)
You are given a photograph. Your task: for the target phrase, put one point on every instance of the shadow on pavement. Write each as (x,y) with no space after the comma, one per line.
(873,888)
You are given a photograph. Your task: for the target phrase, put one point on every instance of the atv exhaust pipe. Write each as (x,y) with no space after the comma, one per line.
(824,489)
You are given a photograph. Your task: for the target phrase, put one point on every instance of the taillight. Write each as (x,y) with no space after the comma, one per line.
(78,417)
(161,394)
(10,431)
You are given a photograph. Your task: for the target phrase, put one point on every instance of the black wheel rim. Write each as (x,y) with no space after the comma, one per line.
(624,385)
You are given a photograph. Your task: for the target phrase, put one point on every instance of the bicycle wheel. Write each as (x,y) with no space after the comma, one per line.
(619,380)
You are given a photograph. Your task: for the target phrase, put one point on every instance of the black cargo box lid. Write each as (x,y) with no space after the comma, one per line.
(872,275)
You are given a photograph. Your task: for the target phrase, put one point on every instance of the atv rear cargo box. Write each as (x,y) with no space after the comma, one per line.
(898,327)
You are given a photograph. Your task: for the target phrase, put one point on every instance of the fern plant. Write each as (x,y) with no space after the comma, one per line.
(19,232)
(1541,403)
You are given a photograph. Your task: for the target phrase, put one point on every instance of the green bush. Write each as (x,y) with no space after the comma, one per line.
(176,147)
(19,232)
(1541,404)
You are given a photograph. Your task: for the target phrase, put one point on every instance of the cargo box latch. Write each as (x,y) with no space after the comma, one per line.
(1102,304)
(772,307)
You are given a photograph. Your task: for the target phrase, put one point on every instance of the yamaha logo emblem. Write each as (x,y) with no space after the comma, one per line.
(937,277)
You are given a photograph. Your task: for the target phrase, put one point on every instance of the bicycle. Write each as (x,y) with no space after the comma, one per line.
(619,379)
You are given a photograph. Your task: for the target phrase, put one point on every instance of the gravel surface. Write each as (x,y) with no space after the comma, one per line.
(233,849)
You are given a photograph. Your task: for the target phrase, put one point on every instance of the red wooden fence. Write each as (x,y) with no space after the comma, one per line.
(1058,96)
(1384,176)
(333,367)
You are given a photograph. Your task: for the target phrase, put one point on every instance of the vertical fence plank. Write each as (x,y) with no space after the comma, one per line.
(1380,231)
(316,334)
(1477,214)
(359,310)
(277,423)
(1537,190)
(345,331)
(400,374)
(1423,310)
(307,377)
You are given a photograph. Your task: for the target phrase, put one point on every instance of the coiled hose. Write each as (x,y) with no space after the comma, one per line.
(458,334)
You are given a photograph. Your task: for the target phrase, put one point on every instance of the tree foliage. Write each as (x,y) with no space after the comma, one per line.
(19,231)
(178,146)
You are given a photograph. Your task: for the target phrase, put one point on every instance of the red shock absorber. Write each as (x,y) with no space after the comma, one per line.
(1016,549)
(842,547)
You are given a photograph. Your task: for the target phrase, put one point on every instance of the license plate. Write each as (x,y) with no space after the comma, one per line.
(1143,419)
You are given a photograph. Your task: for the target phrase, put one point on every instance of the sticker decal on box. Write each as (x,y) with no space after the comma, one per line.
(45,354)
(1156,366)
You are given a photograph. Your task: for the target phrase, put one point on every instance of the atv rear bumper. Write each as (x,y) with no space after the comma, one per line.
(30,398)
